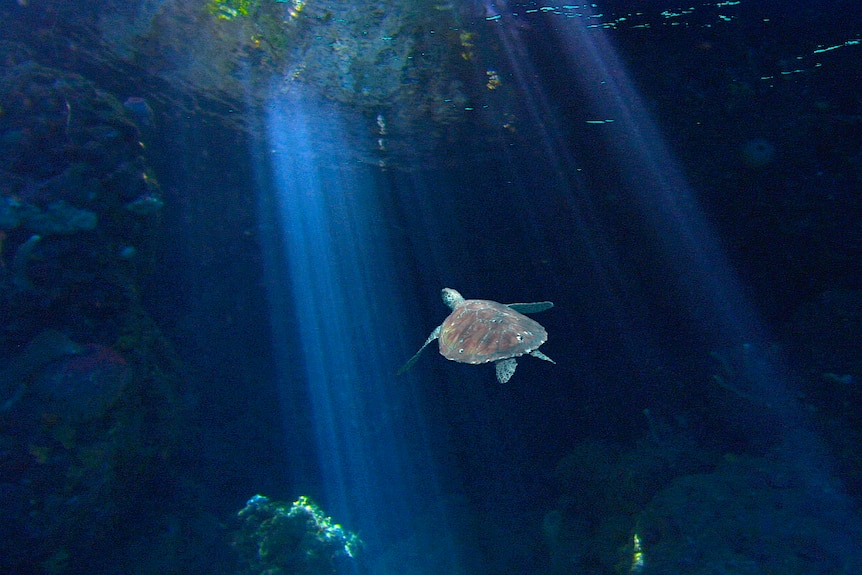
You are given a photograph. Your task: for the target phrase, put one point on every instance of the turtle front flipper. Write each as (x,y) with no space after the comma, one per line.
(506,369)
(434,335)
(534,307)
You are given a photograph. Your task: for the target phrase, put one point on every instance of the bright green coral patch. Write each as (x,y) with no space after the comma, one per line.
(229,9)
(298,539)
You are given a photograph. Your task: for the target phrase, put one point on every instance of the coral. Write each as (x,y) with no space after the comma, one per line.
(299,539)
(145,205)
(59,218)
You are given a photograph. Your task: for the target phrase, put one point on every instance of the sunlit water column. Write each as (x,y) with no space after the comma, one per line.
(337,316)
(705,279)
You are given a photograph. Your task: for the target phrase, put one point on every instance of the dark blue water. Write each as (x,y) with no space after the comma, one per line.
(260,248)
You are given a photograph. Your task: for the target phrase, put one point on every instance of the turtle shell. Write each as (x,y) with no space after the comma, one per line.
(481,331)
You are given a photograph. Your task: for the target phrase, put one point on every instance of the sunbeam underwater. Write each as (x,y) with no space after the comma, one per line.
(341,335)
(705,284)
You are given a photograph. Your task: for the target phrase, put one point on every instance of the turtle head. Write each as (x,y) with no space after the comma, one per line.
(451,297)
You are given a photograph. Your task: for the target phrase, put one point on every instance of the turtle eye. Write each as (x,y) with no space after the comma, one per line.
(520,337)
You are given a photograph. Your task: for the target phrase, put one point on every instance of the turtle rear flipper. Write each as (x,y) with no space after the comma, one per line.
(540,355)
(534,307)
(506,369)
(434,335)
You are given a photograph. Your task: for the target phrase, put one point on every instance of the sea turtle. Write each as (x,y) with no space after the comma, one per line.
(482,331)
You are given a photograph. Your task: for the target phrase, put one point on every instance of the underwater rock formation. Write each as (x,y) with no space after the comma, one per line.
(78,428)
(642,511)
(74,187)
(749,516)
(420,67)
(88,408)
(82,386)
(299,539)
